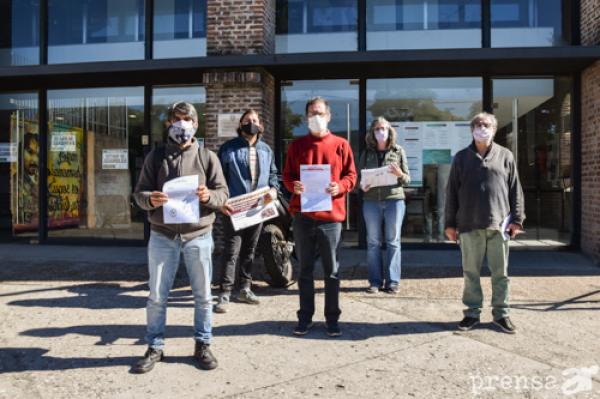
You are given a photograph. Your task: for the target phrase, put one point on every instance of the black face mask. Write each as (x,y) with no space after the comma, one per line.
(251,129)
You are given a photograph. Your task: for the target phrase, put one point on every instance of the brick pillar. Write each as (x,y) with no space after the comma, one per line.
(590,135)
(238,27)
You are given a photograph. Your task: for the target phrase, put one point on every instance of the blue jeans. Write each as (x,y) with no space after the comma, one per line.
(375,212)
(312,236)
(163,262)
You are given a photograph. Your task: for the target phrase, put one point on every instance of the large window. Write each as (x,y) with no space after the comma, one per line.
(94,159)
(179,28)
(95,30)
(423,24)
(535,123)
(19,163)
(524,23)
(19,32)
(431,117)
(316,25)
(166,96)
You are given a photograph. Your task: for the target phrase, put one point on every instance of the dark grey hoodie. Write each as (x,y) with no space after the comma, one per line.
(176,163)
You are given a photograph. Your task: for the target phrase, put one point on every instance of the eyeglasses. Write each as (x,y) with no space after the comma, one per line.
(484,124)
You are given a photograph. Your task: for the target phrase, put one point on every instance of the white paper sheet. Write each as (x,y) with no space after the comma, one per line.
(316,179)
(183,205)
(504,227)
(377,177)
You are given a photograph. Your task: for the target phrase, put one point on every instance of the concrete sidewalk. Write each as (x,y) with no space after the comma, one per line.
(73,323)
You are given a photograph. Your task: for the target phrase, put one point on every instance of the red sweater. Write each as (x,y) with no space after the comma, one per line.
(311,150)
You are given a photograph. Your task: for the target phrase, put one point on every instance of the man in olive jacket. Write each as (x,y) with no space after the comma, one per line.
(181,156)
(484,209)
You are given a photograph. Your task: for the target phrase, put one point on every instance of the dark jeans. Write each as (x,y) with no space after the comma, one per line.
(239,245)
(311,236)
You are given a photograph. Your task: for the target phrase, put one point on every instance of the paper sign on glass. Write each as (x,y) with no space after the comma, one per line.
(377,177)
(316,180)
(183,205)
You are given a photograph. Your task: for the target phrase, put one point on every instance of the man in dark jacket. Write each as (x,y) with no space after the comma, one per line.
(248,164)
(181,156)
(484,208)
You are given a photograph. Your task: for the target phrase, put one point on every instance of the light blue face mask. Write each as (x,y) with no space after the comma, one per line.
(182,131)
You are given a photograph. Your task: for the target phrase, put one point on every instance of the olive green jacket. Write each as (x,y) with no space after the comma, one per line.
(368,160)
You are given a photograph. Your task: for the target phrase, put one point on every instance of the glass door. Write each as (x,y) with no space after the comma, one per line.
(342,95)
(534,122)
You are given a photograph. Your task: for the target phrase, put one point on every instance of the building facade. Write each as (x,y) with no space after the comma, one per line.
(84,88)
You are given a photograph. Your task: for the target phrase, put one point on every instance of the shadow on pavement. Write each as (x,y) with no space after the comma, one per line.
(35,359)
(353,331)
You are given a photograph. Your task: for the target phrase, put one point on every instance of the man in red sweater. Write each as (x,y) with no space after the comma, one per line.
(319,231)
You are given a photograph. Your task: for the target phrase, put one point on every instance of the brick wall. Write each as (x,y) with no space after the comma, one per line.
(590,22)
(590,161)
(590,135)
(240,27)
(234,92)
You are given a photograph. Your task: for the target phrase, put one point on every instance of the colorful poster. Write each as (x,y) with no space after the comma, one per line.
(24,175)
(65,176)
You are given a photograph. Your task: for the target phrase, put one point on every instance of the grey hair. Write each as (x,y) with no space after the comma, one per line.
(183,108)
(315,100)
(370,137)
(485,115)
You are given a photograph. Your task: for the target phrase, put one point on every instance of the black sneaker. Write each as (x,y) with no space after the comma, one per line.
(506,325)
(206,360)
(468,323)
(392,290)
(145,364)
(333,329)
(303,327)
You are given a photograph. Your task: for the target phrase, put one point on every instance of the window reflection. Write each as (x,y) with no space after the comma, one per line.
(19,32)
(431,117)
(95,30)
(179,28)
(534,122)
(404,24)
(523,23)
(316,25)
(94,159)
(19,162)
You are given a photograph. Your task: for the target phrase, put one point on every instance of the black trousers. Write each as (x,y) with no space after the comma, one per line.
(312,237)
(239,246)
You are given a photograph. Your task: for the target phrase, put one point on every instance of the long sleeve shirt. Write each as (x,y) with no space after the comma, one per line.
(311,150)
(166,163)
(482,191)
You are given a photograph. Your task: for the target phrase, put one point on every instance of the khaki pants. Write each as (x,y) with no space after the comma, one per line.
(474,246)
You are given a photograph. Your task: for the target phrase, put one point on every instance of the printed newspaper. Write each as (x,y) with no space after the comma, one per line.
(251,209)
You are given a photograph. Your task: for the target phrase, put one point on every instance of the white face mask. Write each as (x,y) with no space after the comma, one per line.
(182,131)
(317,123)
(482,135)
(381,135)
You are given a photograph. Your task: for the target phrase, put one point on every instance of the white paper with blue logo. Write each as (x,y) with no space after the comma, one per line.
(316,179)
(183,205)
